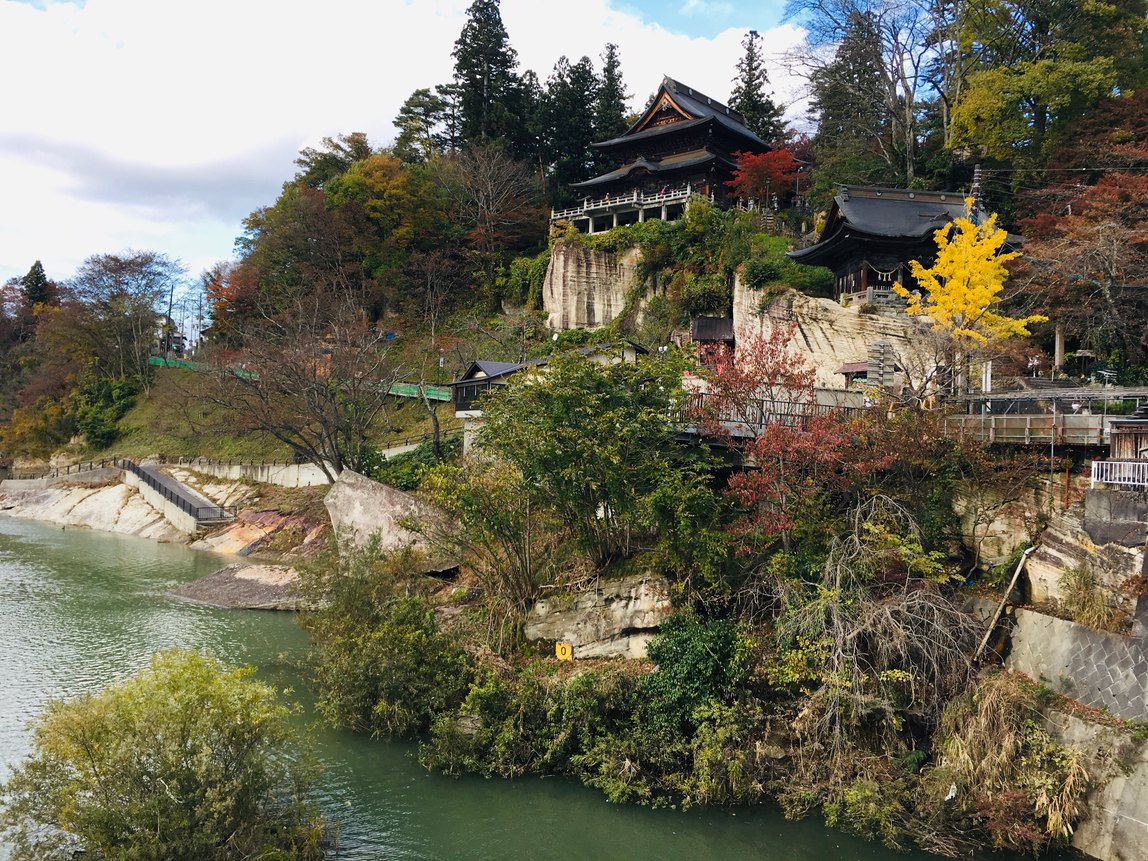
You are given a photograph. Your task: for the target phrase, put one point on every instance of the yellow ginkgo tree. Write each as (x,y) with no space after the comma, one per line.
(961,289)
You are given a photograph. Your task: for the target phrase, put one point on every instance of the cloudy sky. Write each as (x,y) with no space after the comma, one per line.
(157,124)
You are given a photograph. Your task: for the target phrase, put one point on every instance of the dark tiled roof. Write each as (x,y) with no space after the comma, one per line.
(677,161)
(861,212)
(699,106)
(711,329)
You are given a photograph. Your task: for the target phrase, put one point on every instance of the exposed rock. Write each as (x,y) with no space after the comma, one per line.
(616,620)
(1115,826)
(266,533)
(244,587)
(108,508)
(585,288)
(1063,542)
(828,334)
(1114,516)
(362,508)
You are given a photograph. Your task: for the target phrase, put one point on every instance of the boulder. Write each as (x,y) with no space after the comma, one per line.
(616,620)
(362,509)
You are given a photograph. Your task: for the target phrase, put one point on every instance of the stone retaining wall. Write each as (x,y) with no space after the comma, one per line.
(1105,671)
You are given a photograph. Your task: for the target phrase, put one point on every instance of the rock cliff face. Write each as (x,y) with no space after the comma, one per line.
(827,334)
(1063,542)
(108,508)
(616,620)
(584,288)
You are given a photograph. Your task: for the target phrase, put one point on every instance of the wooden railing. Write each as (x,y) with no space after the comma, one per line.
(1039,429)
(634,199)
(749,418)
(1127,473)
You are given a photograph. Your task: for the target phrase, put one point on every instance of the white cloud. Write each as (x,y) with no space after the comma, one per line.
(136,123)
(706,7)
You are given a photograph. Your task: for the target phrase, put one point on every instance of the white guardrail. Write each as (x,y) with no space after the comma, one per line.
(1128,473)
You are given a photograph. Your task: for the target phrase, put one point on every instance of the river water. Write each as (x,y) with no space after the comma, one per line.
(79,609)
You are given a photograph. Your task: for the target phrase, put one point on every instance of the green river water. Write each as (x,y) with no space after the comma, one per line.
(79,609)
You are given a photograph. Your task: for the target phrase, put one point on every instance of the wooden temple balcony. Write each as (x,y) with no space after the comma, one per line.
(596,215)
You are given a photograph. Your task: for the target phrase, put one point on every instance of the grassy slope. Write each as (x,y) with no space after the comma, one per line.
(173,422)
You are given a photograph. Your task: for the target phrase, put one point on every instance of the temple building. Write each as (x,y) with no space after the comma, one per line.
(685,144)
(871,234)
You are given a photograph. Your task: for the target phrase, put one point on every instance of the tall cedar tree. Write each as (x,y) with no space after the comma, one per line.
(36,289)
(610,107)
(484,70)
(749,98)
(853,126)
(568,112)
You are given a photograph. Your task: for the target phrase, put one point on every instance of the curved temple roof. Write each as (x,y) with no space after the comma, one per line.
(863,212)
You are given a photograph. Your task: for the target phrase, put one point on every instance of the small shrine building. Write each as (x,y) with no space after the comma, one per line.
(685,144)
(871,234)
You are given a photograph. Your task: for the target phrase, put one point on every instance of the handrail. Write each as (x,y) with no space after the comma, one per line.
(58,472)
(1126,473)
(634,197)
(199,512)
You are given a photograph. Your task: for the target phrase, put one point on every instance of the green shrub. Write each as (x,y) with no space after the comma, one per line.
(186,760)
(380,662)
(705,294)
(700,661)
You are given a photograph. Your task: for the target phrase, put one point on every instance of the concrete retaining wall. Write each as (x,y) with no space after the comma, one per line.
(1105,671)
(281,474)
(172,513)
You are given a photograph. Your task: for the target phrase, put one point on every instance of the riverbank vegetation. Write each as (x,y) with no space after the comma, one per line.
(186,760)
(817,657)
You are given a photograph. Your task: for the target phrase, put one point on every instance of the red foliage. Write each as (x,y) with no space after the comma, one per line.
(758,176)
(762,403)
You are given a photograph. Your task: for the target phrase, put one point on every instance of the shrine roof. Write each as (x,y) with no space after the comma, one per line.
(677,161)
(861,213)
(695,108)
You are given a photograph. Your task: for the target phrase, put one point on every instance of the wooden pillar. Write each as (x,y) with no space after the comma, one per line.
(1058,349)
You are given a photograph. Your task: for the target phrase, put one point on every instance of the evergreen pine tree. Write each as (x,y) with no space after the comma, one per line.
(853,125)
(36,289)
(569,114)
(484,70)
(749,98)
(417,122)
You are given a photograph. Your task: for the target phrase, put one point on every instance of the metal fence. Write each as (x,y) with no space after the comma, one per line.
(59,472)
(202,513)
(1127,473)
